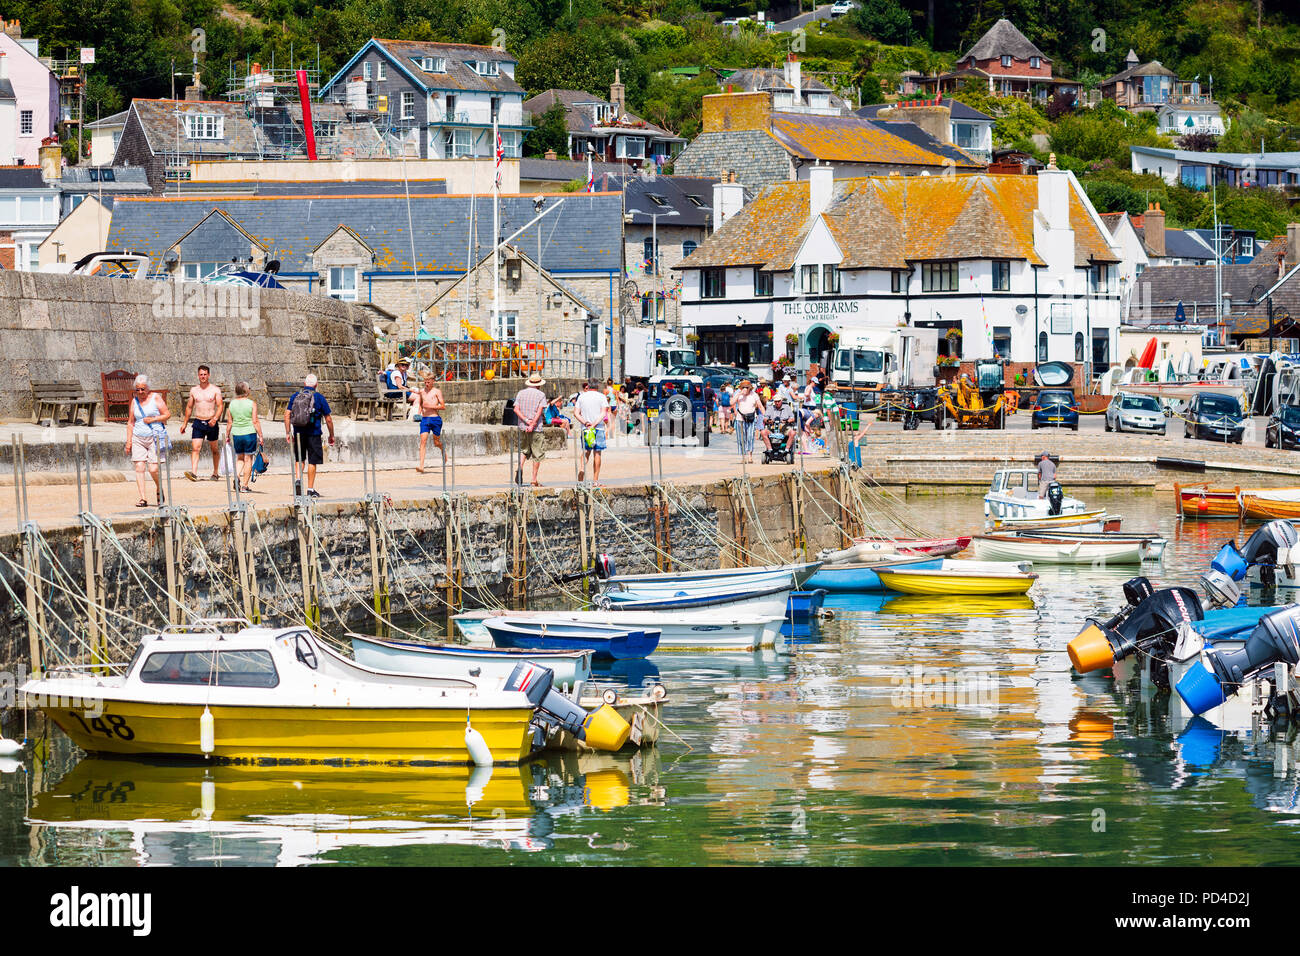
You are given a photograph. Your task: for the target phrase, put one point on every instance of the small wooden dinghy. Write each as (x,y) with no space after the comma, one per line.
(1202,501)
(958,582)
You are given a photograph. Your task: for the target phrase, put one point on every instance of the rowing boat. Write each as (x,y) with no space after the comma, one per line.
(1269,503)
(956,582)
(542,633)
(457,660)
(1097,520)
(1202,501)
(738,599)
(1043,550)
(1154,544)
(935,547)
(717,578)
(695,631)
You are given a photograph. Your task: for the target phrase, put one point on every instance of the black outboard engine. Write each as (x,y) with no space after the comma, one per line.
(604,567)
(602,729)
(1276,638)
(1055,497)
(1148,623)
(1263,546)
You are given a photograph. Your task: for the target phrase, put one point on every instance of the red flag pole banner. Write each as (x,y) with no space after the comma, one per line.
(307,126)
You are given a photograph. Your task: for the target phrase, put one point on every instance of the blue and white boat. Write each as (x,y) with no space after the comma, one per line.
(451,660)
(605,640)
(796,575)
(771,601)
(861,576)
(694,631)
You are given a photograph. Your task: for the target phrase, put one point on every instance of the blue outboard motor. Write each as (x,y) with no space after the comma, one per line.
(1230,562)
(1276,638)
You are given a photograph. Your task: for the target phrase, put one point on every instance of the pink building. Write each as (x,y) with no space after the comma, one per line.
(35,91)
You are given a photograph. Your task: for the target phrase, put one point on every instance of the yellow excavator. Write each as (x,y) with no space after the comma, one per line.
(977,404)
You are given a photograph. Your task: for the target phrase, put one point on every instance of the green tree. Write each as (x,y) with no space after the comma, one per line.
(883,19)
(550,132)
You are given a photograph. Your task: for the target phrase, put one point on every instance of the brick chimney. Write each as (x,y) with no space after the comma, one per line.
(1153,223)
(618,95)
(1292,246)
(550,154)
(14,28)
(931,115)
(194,92)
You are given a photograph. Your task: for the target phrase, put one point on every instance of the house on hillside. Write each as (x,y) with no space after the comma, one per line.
(105,134)
(1198,169)
(606,127)
(1021,266)
(746,134)
(435,100)
(165,136)
(1010,64)
(1182,106)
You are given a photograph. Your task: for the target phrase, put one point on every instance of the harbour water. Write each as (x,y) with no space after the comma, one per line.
(908,730)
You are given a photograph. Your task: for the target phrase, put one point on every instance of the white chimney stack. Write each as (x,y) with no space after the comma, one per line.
(4,67)
(1052,233)
(728,198)
(794,76)
(821,186)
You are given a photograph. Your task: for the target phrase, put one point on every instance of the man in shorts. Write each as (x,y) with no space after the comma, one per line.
(430,404)
(592,412)
(302,421)
(203,412)
(529,405)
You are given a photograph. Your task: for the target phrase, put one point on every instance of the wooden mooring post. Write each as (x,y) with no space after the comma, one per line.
(308,562)
(374,506)
(92,546)
(517,520)
(33,582)
(798,530)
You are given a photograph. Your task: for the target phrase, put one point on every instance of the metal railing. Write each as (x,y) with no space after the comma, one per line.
(470,360)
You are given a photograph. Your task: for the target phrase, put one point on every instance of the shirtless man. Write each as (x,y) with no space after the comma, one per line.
(203,412)
(430,404)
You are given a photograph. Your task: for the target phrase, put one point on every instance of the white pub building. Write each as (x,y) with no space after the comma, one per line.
(1021,265)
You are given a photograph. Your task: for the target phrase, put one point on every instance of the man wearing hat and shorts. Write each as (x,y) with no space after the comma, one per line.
(529,405)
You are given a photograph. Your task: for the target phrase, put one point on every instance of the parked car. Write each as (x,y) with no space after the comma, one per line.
(1283,429)
(1135,413)
(1055,408)
(841,8)
(1214,417)
(675,408)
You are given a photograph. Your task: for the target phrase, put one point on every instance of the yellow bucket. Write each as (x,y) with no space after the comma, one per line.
(607,789)
(1090,651)
(606,730)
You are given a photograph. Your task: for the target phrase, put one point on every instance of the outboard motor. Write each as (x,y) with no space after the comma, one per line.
(1221,672)
(602,729)
(604,567)
(1264,546)
(1150,618)
(1055,497)
(1229,562)
(1221,590)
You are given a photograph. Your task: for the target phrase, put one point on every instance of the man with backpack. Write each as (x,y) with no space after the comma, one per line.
(302,421)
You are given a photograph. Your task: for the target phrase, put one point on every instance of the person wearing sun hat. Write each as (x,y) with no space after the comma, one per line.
(1046,473)
(529,405)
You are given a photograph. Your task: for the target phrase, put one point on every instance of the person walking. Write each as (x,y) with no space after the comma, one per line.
(244,432)
(146,436)
(593,413)
(430,403)
(749,408)
(530,402)
(724,408)
(302,428)
(203,412)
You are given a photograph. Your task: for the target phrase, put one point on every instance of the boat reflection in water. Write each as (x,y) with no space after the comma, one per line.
(196,814)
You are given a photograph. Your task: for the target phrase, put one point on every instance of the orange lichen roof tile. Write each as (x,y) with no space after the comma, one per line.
(844,139)
(768,229)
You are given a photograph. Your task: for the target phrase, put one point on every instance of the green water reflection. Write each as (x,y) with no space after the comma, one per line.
(910,731)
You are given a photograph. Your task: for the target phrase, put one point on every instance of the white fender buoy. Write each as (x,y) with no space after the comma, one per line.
(477,747)
(207,732)
(208,798)
(478,781)
(10,765)
(9,747)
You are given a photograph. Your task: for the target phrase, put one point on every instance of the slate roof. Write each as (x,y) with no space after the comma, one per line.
(956,108)
(1273,160)
(668,197)
(758,79)
(295,187)
(1154,68)
(458,76)
(1179,244)
(581,120)
(158,119)
(6,90)
(850,139)
(583,235)
(886,222)
(564,170)
(1003,39)
(1163,287)
(109,122)
(21,177)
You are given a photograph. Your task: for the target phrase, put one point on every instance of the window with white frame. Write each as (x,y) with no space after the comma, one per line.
(631,147)
(204,126)
(430,64)
(365,70)
(408,105)
(830,278)
(1034,63)
(1006,60)
(26,123)
(505,326)
(487,68)
(380,71)
(343,283)
(808,276)
(457,143)
(197,271)
(652,307)
(512,143)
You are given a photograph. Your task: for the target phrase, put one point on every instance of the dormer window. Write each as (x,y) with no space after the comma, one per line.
(1035,62)
(1006,60)
(431,64)
(204,126)
(484,67)
(658,200)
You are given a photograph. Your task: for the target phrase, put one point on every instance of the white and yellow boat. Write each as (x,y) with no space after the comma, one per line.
(279,694)
(957,581)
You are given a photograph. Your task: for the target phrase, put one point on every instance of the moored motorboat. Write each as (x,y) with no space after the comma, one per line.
(956,581)
(1153,544)
(715,579)
(259,693)
(765,602)
(863,576)
(457,660)
(1013,496)
(698,630)
(1097,520)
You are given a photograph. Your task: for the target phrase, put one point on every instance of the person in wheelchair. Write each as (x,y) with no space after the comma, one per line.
(778,422)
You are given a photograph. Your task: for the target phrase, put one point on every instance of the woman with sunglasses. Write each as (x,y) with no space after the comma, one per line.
(146,435)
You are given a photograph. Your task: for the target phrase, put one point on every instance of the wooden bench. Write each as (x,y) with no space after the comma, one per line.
(281,394)
(53,396)
(367,402)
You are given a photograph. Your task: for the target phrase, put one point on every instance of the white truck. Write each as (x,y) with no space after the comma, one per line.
(647,353)
(888,358)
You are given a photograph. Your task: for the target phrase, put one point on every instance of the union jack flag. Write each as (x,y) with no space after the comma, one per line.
(591,179)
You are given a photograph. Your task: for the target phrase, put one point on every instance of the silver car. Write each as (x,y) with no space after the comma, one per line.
(1135,413)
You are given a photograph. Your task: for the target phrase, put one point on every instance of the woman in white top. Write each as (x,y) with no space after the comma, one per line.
(749,410)
(146,435)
